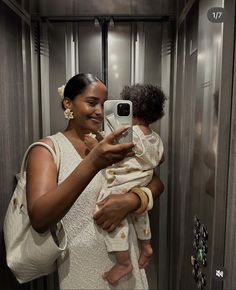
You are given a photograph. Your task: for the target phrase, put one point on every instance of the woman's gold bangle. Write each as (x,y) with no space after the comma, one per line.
(143,198)
(149,195)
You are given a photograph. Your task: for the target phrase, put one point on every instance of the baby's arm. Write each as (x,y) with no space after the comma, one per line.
(162,159)
(90,141)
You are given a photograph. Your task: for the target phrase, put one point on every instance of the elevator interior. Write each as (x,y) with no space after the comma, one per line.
(182,47)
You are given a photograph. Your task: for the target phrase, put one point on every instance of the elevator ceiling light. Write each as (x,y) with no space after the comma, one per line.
(111,23)
(96,22)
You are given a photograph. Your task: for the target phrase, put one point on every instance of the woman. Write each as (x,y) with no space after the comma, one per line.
(71,194)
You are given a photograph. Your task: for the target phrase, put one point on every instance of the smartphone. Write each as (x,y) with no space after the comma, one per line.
(118,113)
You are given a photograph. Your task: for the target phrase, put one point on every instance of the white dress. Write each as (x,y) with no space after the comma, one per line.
(86,259)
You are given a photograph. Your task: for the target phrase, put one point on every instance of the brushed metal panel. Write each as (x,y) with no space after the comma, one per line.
(119,58)
(176,142)
(15,127)
(206,123)
(188,105)
(153,48)
(163,127)
(228,130)
(206,130)
(102,7)
(195,138)
(57,73)
(90,49)
(230,249)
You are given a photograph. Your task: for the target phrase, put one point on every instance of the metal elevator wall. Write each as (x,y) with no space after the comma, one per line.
(15,115)
(200,147)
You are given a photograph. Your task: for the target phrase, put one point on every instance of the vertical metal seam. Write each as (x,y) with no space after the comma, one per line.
(25,95)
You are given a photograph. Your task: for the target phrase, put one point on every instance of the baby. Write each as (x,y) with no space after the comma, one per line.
(148,107)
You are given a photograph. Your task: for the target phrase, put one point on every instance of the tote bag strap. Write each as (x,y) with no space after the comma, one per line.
(57,151)
(55,157)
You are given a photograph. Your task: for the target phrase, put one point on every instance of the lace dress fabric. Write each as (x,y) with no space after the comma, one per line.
(82,265)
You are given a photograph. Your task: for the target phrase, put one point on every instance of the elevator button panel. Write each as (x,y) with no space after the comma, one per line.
(199,259)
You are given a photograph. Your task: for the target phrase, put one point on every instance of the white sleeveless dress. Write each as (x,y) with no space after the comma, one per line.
(86,259)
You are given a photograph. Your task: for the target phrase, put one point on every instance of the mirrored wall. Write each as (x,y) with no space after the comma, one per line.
(135,52)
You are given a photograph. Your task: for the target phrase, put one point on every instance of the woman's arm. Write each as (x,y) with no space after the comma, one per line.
(48,202)
(156,186)
(115,207)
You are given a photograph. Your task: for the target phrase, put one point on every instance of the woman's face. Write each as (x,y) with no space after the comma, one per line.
(88,107)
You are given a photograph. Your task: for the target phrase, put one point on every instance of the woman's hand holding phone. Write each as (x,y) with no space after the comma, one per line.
(107,152)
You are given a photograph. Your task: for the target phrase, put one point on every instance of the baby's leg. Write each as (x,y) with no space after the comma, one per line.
(122,267)
(145,253)
(117,243)
(142,227)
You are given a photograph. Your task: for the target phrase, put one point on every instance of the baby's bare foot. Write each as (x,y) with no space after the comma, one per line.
(146,253)
(117,272)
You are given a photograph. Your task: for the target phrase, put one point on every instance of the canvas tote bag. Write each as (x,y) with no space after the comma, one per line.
(30,254)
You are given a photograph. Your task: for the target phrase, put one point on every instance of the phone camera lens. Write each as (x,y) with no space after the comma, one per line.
(123,109)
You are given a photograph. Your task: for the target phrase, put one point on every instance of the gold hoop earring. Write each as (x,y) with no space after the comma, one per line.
(68,114)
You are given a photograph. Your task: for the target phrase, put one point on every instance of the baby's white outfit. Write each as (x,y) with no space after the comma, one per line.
(131,172)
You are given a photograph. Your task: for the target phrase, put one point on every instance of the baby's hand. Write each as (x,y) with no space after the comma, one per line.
(90,141)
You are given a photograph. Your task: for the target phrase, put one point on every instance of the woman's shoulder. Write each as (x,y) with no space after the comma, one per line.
(49,140)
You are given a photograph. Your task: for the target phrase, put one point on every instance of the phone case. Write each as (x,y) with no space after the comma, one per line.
(112,119)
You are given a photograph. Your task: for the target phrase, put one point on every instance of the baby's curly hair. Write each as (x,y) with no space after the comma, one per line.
(148,101)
